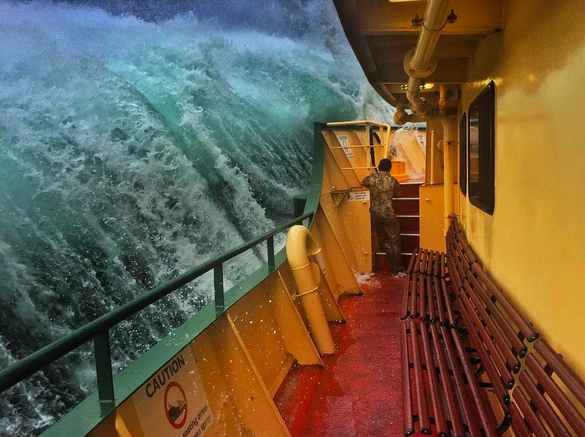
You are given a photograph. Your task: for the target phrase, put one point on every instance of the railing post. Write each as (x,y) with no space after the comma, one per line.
(270,247)
(218,285)
(103,367)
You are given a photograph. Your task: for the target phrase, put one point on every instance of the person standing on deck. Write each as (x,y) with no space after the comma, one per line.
(383,188)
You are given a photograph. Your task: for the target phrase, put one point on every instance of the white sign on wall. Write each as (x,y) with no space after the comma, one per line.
(357,196)
(344,142)
(421,140)
(172,402)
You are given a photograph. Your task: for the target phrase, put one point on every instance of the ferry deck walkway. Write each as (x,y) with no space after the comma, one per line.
(359,391)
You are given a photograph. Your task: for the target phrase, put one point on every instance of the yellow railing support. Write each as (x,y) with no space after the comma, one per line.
(299,246)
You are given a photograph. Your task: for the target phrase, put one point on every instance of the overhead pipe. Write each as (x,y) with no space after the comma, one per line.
(419,62)
(299,246)
(401,117)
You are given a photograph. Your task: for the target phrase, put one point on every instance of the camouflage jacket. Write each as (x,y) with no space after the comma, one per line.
(383,188)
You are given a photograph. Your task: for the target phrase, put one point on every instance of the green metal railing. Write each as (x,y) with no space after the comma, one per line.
(98,330)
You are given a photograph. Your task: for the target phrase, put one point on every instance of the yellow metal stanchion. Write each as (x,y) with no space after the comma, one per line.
(299,245)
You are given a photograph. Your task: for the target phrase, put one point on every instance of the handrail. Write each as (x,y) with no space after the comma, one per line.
(368,125)
(350,123)
(98,328)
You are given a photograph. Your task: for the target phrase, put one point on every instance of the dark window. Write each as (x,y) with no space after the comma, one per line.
(463,154)
(481,149)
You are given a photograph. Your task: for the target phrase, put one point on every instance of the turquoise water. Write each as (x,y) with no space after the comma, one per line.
(136,143)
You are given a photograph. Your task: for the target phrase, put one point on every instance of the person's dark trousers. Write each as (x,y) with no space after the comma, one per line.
(388,231)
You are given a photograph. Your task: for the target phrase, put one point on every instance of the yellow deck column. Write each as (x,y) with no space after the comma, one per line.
(449,149)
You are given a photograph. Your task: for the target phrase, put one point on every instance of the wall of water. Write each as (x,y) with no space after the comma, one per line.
(138,141)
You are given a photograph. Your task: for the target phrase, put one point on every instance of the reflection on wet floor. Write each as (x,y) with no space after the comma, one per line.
(359,392)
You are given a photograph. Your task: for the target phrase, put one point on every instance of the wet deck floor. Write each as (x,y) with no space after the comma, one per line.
(359,392)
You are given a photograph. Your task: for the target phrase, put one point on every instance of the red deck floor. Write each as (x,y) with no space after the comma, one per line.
(359,392)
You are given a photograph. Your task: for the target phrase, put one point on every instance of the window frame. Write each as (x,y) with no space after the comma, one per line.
(482,193)
(463,154)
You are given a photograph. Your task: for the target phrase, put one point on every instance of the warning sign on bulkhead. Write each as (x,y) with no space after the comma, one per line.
(344,142)
(172,402)
(356,196)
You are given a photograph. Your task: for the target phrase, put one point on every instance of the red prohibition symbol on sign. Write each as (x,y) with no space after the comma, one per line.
(176,406)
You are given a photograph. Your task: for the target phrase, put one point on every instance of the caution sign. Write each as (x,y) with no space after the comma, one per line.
(357,196)
(172,402)
(344,142)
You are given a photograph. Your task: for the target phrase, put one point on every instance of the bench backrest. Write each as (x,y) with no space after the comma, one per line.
(498,331)
(548,397)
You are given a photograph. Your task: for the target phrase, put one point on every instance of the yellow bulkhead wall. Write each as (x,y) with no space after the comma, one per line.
(244,356)
(534,243)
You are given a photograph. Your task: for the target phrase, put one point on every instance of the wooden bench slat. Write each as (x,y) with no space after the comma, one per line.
(534,422)
(452,406)
(457,248)
(440,316)
(439,414)
(460,261)
(470,256)
(413,294)
(421,295)
(407,414)
(459,384)
(502,323)
(543,407)
(430,296)
(518,424)
(411,262)
(411,267)
(468,252)
(488,364)
(417,260)
(504,349)
(512,312)
(486,416)
(458,270)
(448,306)
(419,389)
(407,291)
(422,261)
(560,399)
(485,341)
(437,264)
(564,372)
